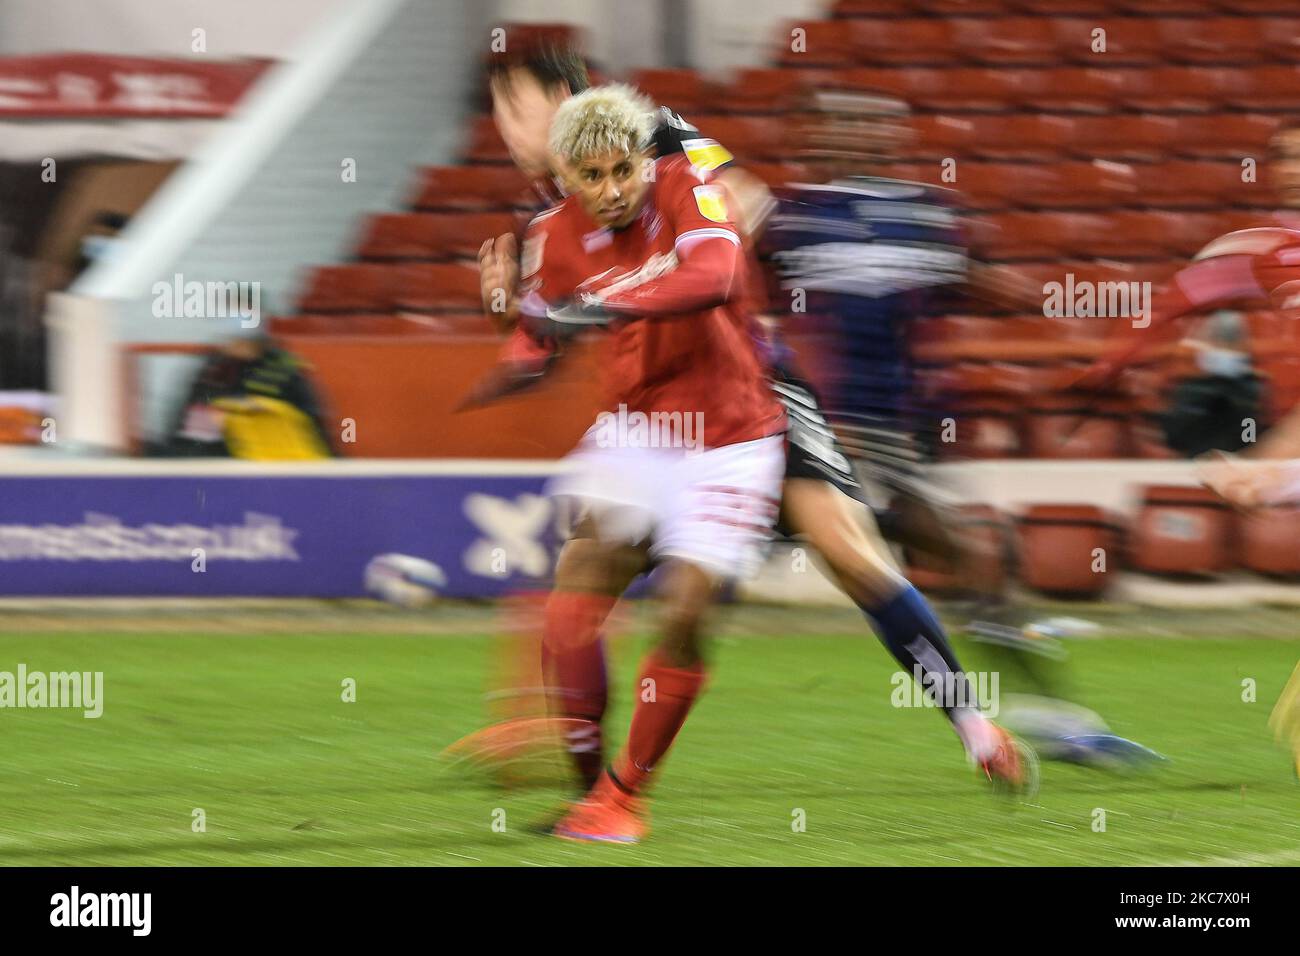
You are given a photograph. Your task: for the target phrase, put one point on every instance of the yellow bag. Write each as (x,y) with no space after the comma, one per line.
(267,429)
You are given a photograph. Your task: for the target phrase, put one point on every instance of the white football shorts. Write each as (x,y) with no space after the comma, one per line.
(714,507)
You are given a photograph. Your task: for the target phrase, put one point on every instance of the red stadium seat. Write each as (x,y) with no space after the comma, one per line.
(1181,530)
(1267,541)
(1063,8)
(684,91)
(751,137)
(1180,184)
(806,43)
(910,41)
(1227,40)
(1121,137)
(471,187)
(985,185)
(847,9)
(1076,89)
(1280,37)
(1266,88)
(903,82)
(1067,549)
(431,235)
(1251,8)
(485,143)
(1186,89)
(767,90)
(1100,184)
(1014,137)
(1128,41)
(1164,7)
(1226,135)
(1005,40)
(375,287)
(1064,427)
(943,136)
(437,288)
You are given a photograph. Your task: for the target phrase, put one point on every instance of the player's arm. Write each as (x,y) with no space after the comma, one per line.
(751,200)
(1003,287)
(708,247)
(1201,286)
(498,276)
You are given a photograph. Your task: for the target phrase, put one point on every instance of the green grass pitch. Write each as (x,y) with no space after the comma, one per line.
(250,727)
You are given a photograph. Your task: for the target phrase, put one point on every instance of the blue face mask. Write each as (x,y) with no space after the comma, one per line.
(1226,362)
(97,247)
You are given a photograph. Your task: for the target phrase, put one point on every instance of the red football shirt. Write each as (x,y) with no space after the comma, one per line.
(676,276)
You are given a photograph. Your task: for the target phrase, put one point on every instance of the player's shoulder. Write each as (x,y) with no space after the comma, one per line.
(551,219)
(675,136)
(1272,236)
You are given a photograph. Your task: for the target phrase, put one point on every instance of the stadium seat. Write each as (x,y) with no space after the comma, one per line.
(485,143)
(431,235)
(751,137)
(1225,40)
(767,90)
(1226,135)
(684,91)
(1266,88)
(470,188)
(1067,549)
(451,287)
(1129,41)
(1100,184)
(1266,541)
(1075,89)
(1123,137)
(985,532)
(1164,7)
(1002,41)
(380,287)
(1251,8)
(1181,530)
(909,41)
(809,43)
(1062,8)
(1065,427)
(1186,184)
(1012,137)
(987,185)
(847,9)
(1280,38)
(354,287)
(1185,89)
(778,174)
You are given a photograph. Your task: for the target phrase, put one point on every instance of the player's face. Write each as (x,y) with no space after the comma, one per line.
(1287,165)
(523,110)
(611,187)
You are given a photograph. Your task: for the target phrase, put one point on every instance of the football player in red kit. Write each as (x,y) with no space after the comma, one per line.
(684,465)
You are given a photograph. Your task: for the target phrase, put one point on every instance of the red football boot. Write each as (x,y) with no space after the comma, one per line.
(606,815)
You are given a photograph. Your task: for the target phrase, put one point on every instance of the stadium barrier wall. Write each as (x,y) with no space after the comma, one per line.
(307,529)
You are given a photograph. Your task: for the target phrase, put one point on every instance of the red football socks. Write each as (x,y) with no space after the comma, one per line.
(665,695)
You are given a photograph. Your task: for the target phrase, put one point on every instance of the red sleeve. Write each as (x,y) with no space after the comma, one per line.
(1204,285)
(710,268)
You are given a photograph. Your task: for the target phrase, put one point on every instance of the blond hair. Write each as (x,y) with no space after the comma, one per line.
(603,119)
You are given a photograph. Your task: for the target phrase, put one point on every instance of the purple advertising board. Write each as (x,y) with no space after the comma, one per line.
(293,532)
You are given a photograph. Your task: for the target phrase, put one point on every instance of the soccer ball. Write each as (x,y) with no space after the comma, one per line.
(403,580)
